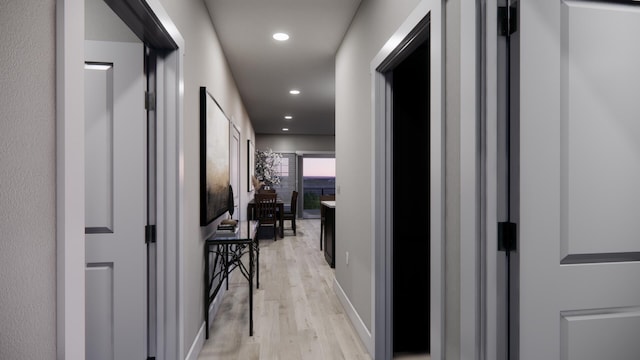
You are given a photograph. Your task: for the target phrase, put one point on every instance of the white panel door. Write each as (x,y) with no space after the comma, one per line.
(115,134)
(579,197)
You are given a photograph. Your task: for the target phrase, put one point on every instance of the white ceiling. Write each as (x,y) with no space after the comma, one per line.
(265,69)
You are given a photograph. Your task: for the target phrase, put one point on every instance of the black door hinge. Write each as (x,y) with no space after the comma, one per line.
(150,234)
(507,20)
(507,236)
(149,101)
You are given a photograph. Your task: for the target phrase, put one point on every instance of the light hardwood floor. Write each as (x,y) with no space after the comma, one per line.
(296,312)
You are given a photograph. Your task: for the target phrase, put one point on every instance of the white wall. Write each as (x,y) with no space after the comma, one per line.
(204,65)
(293,143)
(102,24)
(27,180)
(374,23)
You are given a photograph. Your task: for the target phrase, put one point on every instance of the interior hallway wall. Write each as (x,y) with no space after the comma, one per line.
(293,143)
(27,180)
(373,25)
(204,65)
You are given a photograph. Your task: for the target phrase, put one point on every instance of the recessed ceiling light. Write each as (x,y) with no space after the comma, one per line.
(281,36)
(288,117)
(294,92)
(285,129)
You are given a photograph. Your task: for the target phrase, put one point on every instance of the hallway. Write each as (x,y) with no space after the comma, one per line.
(296,312)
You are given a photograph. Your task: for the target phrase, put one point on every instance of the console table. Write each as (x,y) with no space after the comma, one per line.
(228,248)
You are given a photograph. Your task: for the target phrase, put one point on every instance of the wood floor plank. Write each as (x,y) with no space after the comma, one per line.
(297,314)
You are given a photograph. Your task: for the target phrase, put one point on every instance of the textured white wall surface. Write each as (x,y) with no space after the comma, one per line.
(27,180)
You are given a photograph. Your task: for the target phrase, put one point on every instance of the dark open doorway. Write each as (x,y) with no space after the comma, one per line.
(410,204)
(409,190)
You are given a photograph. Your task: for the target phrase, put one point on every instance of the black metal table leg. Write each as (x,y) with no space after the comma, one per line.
(206,290)
(257,249)
(250,289)
(227,260)
(226,264)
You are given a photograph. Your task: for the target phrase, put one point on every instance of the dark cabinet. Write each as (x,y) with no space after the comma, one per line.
(330,232)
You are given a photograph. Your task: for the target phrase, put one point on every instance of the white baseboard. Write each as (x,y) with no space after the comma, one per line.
(197,345)
(198,342)
(356,321)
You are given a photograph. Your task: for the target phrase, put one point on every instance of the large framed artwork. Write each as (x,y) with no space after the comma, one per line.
(251,165)
(214,159)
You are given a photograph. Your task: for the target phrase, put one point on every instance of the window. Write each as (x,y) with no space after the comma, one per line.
(286,170)
(319,178)
(283,166)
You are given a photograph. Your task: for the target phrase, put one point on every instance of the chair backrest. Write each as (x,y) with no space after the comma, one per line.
(294,202)
(331,197)
(265,205)
(266,191)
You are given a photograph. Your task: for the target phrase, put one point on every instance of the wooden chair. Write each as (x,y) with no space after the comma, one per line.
(266,191)
(324,198)
(266,211)
(291,213)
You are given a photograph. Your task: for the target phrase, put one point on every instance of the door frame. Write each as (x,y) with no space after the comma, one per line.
(496,176)
(70,253)
(382,186)
(475,230)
